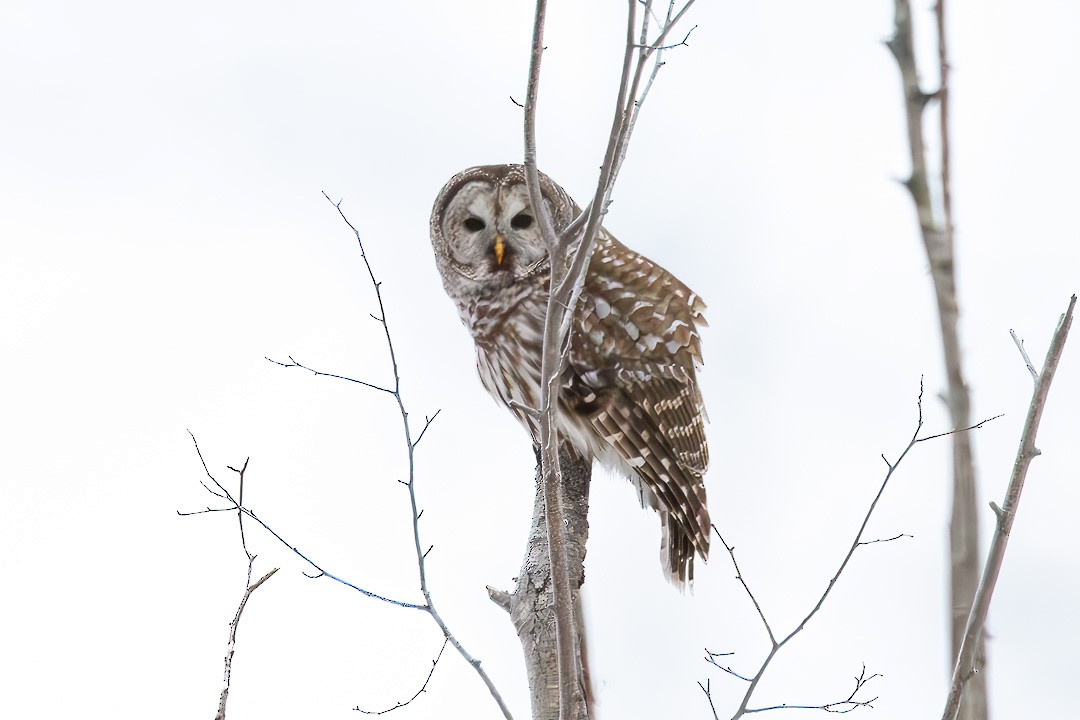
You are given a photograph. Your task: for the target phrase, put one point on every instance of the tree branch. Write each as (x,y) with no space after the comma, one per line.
(936,228)
(943,120)
(427,680)
(966,666)
(236,503)
(571,695)
(230,650)
(317,373)
(1027,360)
(248,512)
(530,604)
(568,258)
(776,645)
(410,449)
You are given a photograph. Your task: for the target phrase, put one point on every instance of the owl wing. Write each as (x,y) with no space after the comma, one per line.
(633,360)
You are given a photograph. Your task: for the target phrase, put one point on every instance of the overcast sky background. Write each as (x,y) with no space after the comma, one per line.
(163,230)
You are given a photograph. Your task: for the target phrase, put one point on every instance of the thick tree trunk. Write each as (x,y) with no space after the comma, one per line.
(531,605)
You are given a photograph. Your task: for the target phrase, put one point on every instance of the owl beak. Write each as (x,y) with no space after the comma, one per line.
(500,248)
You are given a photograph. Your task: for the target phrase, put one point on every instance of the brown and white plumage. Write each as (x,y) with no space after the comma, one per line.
(630,397)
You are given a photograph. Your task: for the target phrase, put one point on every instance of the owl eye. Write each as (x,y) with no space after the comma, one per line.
(474,224)
(521,221)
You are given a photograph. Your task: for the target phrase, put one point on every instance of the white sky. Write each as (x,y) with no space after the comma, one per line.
(163,230)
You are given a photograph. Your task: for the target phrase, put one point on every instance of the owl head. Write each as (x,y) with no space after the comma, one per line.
(484,230)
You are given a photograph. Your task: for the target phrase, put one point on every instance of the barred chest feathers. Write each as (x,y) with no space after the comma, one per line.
(508,329)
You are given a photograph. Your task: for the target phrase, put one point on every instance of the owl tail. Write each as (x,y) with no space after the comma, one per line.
(676,552)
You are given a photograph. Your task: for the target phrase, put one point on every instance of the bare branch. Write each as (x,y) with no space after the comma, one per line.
(706,688)
(569,257)
(181,513)
(739,576)
(231,648)
(681,43)
(711,658)
(410,448)
(499,597)
(321,572)
(943,118)
(251,587)
(294,363)
(839,707)
(532,176)
(936,230)
(776,645)
(1027,360)
(221,492)
(965,662)
(423,687)
(237,503)
(571,695)
(885,540)
(240,516)
(427,424)
(976,426)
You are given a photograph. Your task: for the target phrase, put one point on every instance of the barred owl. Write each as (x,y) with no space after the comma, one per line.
(629,394)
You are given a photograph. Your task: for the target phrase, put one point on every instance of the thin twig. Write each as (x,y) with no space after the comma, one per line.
(294,363)
(427,680)
(976,426)
(838,707)
(706,688)
(885,540)
(965,666)
(236,503)
(776,645)
(248,512)
(240,516)
(711,658)
(230,650)
(410,449)
(739,576)
(427,424)
(1027,360)
(681,43)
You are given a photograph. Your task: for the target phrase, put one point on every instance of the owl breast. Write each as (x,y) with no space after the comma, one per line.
(508,328)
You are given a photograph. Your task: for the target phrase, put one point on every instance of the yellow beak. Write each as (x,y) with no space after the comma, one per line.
(500,248)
